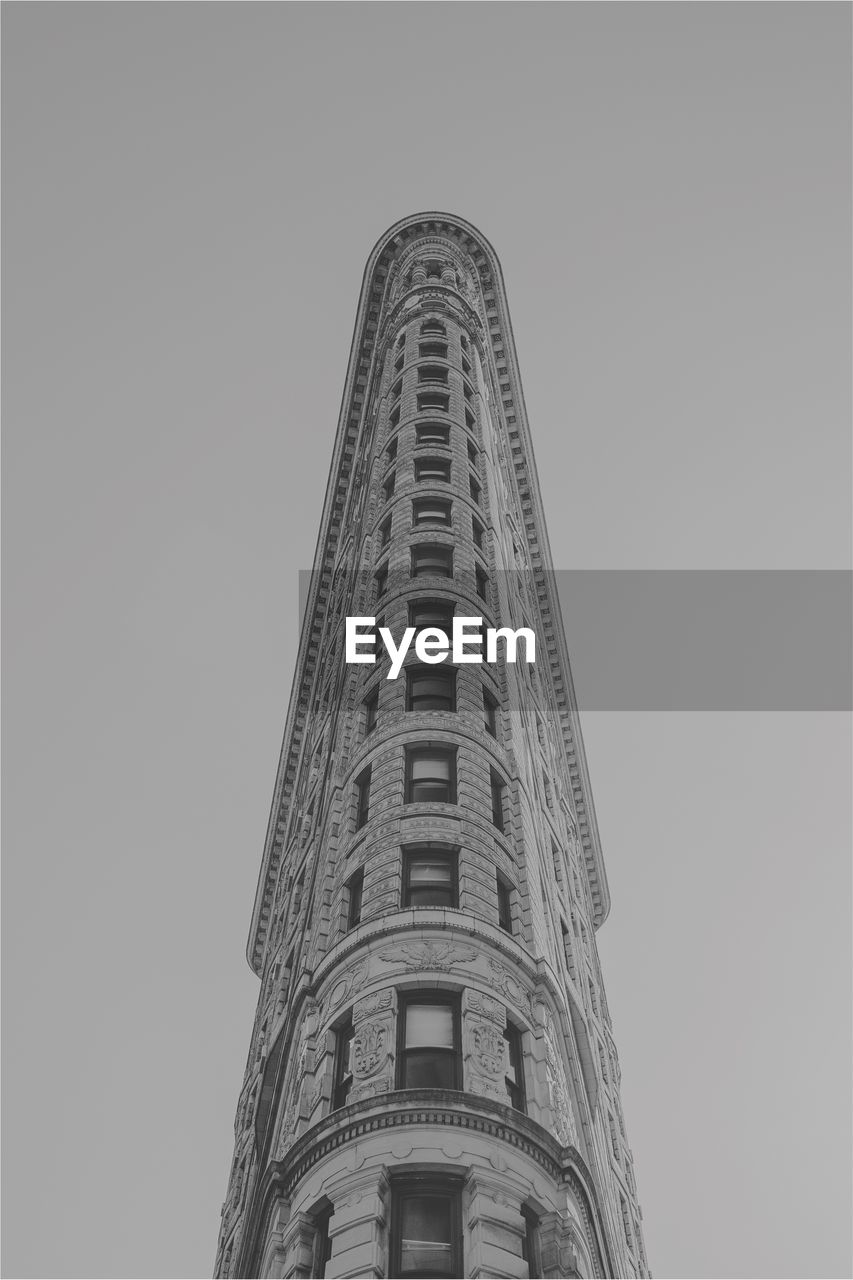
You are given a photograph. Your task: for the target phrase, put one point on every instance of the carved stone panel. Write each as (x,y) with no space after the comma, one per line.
(485,1059)
(558,1089)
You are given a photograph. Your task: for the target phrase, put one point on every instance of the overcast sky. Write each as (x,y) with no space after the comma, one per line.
(191,192)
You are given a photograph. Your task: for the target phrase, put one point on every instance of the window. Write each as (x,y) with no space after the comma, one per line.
(466,365)
(432,470)
(380,581)
(530,1243)
(371,711)
(463,342)
(430,775)
(398,363)
(388,486)
(401,341)
(432,433)
(504,904)
(482,580)
(467,392)
(498,788)
(473,454)
(490,713)
(385,532)
(431,511)
(475,488)
(430,689)
(391,451)
(470,420)
(429,1053)
(362,793)
(429,559)
(322,1243)
(426,1228)
(429,878)
(433,400)
(432,373)
(397,389)
(431,613)
(355,890)
(434,327)
(435,349)
(515,1069)
(343,1073)
(478,533)
(394,416)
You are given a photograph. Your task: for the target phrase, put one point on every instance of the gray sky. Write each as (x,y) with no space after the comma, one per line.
(191,192)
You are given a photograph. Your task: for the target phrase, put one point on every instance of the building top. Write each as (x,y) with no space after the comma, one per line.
(385,290)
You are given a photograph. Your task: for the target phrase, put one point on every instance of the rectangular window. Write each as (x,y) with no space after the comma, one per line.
(432,511)
(466,365)
(430,688)
(430,775)
(322,1243)
(355,888)
(385,532)
(432,373)
(432,433)
(515,1068)
(426,1228)
(504,904)
(429,878)
(362,793)
(432,560)
(380,582)
(477,532)
(371,711)
(498,788)
(431,613)
(430,1056)
(436,350)
(473,454)
(394,416)
(470,420)
(391,451)
(432,470)
(428,400)
(343,1073)
(567,949)
(397,389)
(482,580)
(476,489)
(434,327)
(490,713)
(388,486)
(530,1243)
(467,392)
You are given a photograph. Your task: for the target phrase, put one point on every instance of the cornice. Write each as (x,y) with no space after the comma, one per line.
(364,352)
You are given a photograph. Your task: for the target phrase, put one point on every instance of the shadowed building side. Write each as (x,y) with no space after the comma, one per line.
(432,1086)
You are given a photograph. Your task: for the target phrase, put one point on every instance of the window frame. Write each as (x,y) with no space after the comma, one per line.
(412,1186)
(435,998)
(446,608)
(444,505)
(371,710)
(432,433)
(515,1050)
(425,751)
(426,555)
(362,798)
(442,471)
(411,854)
(441,674)
(342,1075)
(491,713)
(504,891)
(355,898)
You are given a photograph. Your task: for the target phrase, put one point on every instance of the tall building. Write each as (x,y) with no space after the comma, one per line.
(432,1086)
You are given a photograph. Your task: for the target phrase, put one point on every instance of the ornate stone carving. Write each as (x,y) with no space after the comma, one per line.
(486,1006)
(343,987)
(370,1048)
(437,957)
(558,1090)
(505,981)
(372,1004)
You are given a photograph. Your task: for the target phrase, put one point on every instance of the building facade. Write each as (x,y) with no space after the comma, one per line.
(432,1087)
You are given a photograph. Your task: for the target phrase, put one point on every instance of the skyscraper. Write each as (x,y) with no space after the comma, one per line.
(432,1086)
